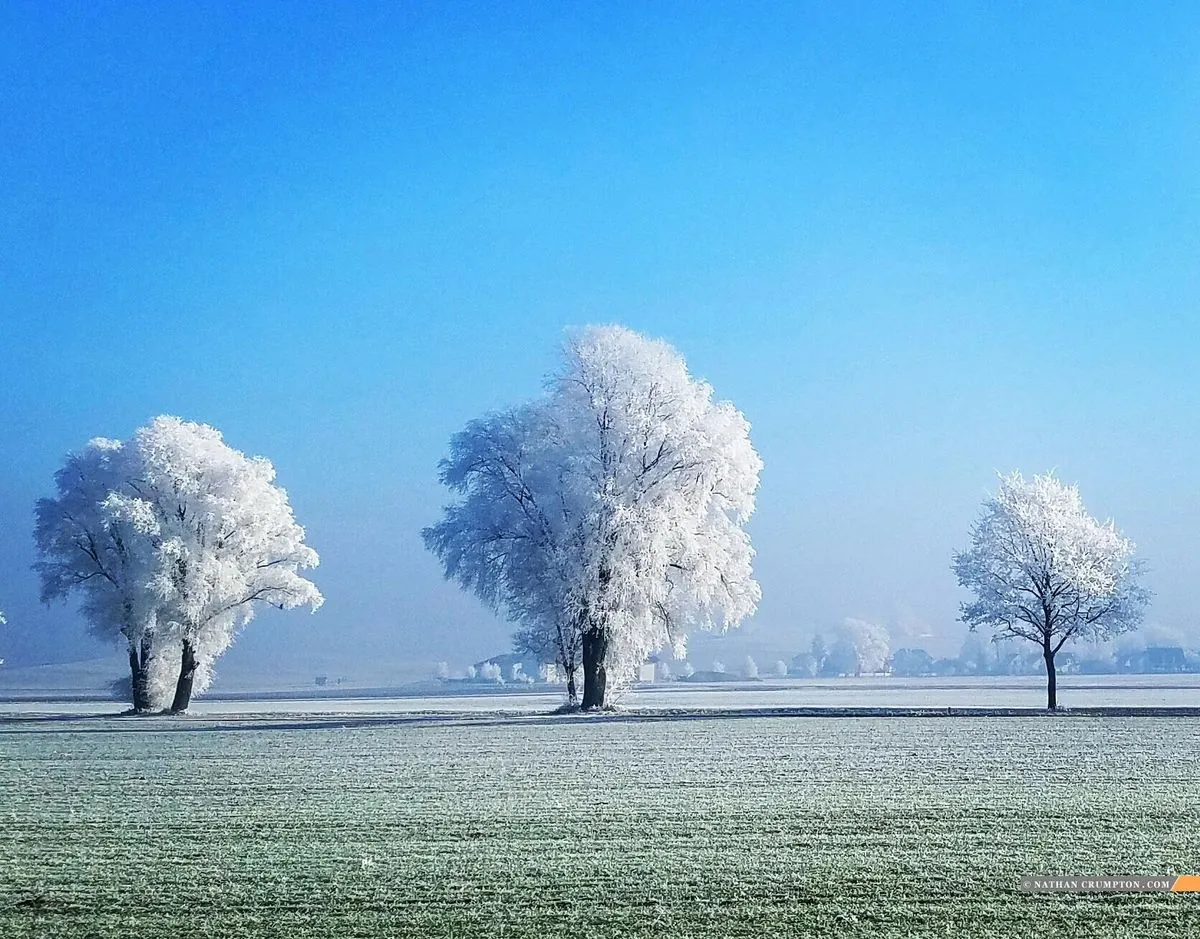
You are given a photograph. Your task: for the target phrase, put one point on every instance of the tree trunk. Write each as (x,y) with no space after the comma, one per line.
(137,680)
(139,676)
(187,677)
(595,676)
(572,693)
(1051,680)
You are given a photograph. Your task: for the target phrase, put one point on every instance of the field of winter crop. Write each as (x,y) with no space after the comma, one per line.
(719,826)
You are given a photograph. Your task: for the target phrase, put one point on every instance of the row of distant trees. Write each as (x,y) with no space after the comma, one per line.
(842,658)
(1014,659)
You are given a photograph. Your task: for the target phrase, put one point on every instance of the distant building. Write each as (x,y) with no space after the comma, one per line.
(1164,659)
(646,672)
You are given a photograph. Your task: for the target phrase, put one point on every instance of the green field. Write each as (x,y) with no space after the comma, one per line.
(687,827)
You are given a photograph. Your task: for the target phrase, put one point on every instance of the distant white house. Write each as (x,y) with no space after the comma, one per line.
(646,672)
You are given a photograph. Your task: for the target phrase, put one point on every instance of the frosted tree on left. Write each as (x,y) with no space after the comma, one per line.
(89,551)
(172,539)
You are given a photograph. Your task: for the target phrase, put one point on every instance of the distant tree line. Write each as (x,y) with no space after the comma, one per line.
(1007,659)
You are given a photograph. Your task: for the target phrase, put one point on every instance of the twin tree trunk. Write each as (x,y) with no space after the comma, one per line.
(187,677)
(139,662)
(139,673)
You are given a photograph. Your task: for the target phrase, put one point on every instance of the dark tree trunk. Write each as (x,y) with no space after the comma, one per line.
(572,693)
(595,676)
(1051,680)
(139,678)
(187,677)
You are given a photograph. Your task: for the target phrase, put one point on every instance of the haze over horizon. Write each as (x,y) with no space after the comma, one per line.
(916,247)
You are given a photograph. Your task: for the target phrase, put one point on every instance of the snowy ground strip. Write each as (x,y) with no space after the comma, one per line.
(1075,691)
(704,827)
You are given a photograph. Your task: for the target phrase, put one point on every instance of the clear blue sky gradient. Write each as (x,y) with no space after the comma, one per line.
(915,243)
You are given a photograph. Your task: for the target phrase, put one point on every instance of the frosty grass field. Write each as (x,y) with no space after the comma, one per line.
(717,826)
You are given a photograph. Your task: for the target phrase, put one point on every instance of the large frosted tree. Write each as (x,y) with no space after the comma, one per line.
(172,538)
(608,516)
(1042,569)
(224,541)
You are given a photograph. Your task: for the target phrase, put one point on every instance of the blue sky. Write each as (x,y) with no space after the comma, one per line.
(915,243)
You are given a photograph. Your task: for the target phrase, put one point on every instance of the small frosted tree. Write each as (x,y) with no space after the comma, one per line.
(1042,569)
(841,660)
(872,644)
(819,652)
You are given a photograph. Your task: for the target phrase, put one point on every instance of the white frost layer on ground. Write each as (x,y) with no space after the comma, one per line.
(1074,691)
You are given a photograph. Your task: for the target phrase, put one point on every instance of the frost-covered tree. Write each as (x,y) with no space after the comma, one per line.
(669,477)
(871,643)
(223,540)
(841,659)
(89,549)
(819,651)
(749,667)
(607,518)
(1042,569)
(510,539)
(170,539)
